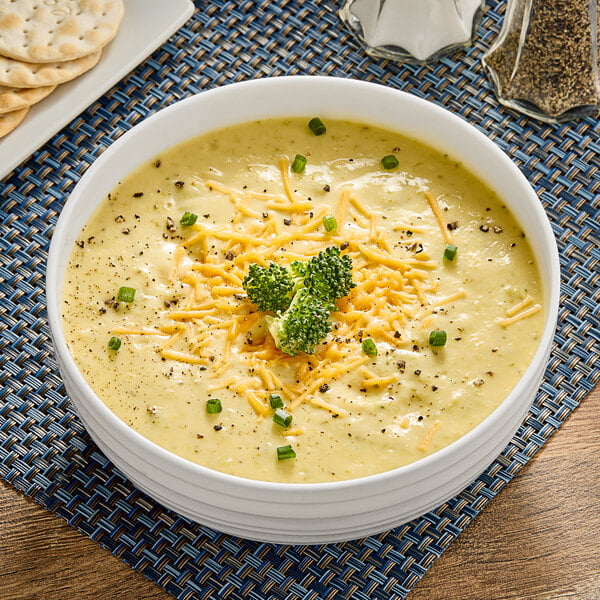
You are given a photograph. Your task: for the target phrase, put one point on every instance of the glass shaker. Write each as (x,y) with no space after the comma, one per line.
(545,61)
(413,31)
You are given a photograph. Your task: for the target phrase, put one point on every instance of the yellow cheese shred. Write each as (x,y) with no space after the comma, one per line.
(441,302)
(379,381)
(428,437)
(437,211)
(183,357)
(137,331)
(284,167)
(536,308)
(527,301)
(290,207)
(257,403)
(295,431)
(334,410)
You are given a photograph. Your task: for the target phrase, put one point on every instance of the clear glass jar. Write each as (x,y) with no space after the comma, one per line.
(414,31)
(545,61)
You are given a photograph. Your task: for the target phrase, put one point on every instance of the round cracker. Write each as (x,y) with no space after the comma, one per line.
(10,120)
(14,98)
(41,31)
(19,74)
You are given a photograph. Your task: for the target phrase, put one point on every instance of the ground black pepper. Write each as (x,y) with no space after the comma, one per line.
(545,60)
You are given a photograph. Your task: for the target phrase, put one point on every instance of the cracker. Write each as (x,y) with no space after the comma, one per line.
(10,120)
(14,98)
(19,74)
(42,31)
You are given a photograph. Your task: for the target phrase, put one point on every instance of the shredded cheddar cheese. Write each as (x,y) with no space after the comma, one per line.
(393,287)
(295,432)
(536,308)
(424,443)
(437,211)
(527,301)
(285,176)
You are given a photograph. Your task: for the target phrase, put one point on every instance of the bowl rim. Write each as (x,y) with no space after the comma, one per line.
(153,451)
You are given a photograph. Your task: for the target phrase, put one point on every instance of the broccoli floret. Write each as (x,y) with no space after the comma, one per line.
(302,296)
(297,271)
(270,289)
(302,326)
(329,275)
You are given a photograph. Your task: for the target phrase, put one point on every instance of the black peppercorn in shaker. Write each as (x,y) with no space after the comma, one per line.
(545,61)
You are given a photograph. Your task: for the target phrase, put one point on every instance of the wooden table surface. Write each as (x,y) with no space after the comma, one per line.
(539,539)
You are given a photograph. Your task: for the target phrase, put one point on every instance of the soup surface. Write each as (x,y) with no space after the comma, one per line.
(190,334)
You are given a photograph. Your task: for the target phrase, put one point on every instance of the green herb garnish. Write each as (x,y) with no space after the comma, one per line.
(285,452)
(330,223)
(188,219)
(213,406)
(275,401)
(389,162)
(437,337)
(317,126)
(369,347)
(282,418)
(299,163)
(126,294)
(450,251)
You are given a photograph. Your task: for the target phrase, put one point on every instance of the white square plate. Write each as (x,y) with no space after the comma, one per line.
(146,25)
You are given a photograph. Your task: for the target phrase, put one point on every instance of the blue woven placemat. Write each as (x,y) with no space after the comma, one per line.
(46,453)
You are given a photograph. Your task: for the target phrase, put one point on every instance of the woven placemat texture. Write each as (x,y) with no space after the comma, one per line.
(45,451)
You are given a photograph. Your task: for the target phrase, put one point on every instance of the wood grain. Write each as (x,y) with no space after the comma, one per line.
(43,558)
(538,540)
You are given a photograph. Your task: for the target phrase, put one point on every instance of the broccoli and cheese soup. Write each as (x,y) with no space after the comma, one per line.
(164,312)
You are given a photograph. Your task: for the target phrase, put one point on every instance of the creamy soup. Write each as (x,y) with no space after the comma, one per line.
(190,334)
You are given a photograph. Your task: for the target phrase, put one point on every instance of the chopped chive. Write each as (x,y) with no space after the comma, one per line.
(437,338)
(213,406)
(114,343)
(275,401)
(369,347)
(188,219)
(282,418)
(299,163)
(330,223)
(317,126)
(126,294)
(285,452)
(389,162)
(450,251)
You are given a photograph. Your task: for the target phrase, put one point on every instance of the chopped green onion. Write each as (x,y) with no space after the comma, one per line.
(299,163)
(114,343)
(275,401)
(285,452)
(389,162)
(282,418)
(316,126)
(369,347)
(126,294)
(330,223)
(450,252)
(437,338)
(213,406)
(188,219)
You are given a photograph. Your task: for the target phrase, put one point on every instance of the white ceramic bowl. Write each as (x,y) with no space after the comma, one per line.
(316,512)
